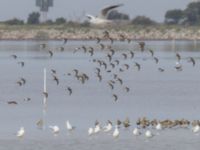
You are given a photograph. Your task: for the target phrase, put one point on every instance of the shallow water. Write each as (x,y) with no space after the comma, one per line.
(169,94)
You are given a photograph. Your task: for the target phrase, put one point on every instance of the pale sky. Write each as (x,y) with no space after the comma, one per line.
(71,9)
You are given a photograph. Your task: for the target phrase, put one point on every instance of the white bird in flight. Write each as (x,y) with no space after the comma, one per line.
(101,19)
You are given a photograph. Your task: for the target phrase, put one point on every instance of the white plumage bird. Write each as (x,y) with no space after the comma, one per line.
(102,18)
(90,131)
(136,132)
(55,129)
(116,132)
(69,126)
(148,134)
(196,128)
(108,127)
(158,126)
(21,132)
(97,128)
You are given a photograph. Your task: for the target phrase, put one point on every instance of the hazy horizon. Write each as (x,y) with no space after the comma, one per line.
(74,10)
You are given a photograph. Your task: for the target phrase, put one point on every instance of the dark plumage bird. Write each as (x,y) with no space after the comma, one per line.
(161,69)
(142,45)
(65,40)
(138,66)
(43,45)
(191,59)
(62,48)
(53,71)
(69,90)
(98,40)
(12,102)
(27,99)
(120,80)
(152,52)
(102,46)
(156,60)
(117,62)
(178,56)
(23,80)
(119,122)
(115,97)
(50,53)
(14,56)
(46,94)
(124,55)
(126,66)
(127,89)
(19,83)
(126,123)
(106,34)
(56,79)
(21,63)
(111,85)
(132,54)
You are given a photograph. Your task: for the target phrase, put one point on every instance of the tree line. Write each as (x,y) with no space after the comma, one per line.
(189,16)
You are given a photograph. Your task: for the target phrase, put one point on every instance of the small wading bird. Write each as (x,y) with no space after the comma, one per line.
(102,18)
(55,130)
(116,132)
(21,132)
(69,126)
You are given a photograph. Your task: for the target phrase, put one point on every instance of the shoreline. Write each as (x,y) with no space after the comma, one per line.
(137,33)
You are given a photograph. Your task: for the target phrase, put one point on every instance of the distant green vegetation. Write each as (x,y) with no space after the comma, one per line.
(190,16)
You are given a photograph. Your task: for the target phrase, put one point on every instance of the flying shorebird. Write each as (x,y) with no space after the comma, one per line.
(40,124)
(69,89)
(50,53)
(102,18)
(21,63)
(115,97)
(191,59)
(12,102)
(14,56)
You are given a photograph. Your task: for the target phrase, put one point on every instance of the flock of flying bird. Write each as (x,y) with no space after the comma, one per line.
(109,65)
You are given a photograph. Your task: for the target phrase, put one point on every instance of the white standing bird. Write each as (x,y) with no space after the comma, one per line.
(116,132)
(55,129)
(136,132)
(158,126)
(21,132)
(196,128)
(69,126)
(90,131)
(108,127)
(102,18)
(148,134)
(97,128)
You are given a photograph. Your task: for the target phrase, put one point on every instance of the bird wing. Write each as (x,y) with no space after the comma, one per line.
(105,10)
